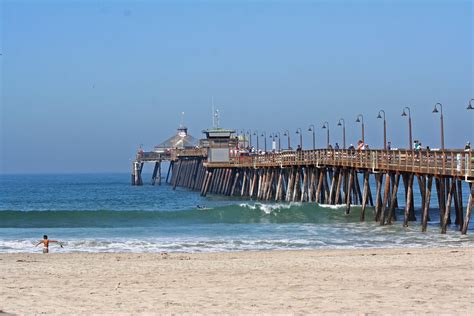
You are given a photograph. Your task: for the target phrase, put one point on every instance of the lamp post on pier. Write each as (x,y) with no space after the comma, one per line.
(409,125)
(360,119)
(264,135)
(249,132)
(298,131)
(312,129)
(343,132)
(326,125)
(287,133)
(435,110)
(469,107)
(255,133)
(278,135)
(384,129)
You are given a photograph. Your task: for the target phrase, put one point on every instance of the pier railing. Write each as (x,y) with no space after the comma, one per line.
(445,163)
(172,154)
(143,156)
(192,152)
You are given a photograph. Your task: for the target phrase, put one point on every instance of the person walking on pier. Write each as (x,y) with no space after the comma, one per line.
(298,152)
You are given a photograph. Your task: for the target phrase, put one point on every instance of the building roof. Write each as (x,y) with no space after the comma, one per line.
(181,140)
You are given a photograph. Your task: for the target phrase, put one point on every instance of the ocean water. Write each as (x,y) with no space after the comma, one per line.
(104,213)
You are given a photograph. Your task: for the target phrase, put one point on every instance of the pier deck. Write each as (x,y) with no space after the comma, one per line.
(457,163)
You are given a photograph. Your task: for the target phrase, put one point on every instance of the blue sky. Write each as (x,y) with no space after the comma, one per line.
(84,83)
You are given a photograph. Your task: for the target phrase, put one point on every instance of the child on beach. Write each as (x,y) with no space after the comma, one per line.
(46,242)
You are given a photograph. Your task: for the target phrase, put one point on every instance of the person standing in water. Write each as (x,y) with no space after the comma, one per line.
(46,243)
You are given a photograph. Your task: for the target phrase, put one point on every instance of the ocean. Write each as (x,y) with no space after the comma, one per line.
(104,213)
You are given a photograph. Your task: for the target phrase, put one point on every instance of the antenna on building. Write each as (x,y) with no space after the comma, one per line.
(213,119)
(216,115)
(182,120)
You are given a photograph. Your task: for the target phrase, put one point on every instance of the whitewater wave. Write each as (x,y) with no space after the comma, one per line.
(271,208)
(319,239)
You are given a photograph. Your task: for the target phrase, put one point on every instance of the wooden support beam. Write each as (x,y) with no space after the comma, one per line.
(271,181)
(279,185)
(378,198)
(206,175)
(393,201)
(203,185)
(386,193)
(133,174)
(311,184)
(227,179)
(223,184)
(155,171)
(214,179)
(193,173)
(365,195)
(409,198)
(332,191)
(456,202)
(371,200)
(170,167)
(320,185)
(446,186)
(236,179)
(304,191)
(232,172)
(468,210)
(159,173)
(337,198)
(296,184)
(260,183)
(254,181)
(268,184)
(244,182)
(326,187)
(348,196)
(345,184)
(139,173)
(426,208)
(460,204)
(447,213)
(200,175)
(284,185)
(440,194)
(207,182)
(182,173)
(289,185)
(357,187)
(215,174)
(422,186)
(186,177)
(183,178)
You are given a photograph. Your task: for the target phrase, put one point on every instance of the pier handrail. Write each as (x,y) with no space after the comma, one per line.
(170,154)
(455,162)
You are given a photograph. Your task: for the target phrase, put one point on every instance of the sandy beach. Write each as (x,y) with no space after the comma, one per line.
(371,281)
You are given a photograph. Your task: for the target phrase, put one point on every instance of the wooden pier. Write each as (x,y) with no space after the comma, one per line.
(332,177)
